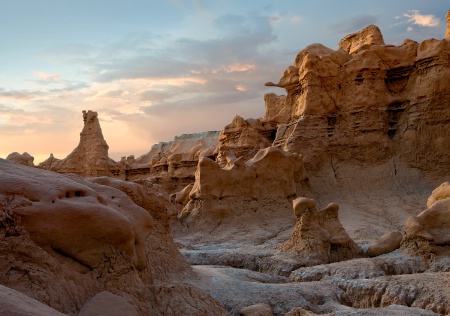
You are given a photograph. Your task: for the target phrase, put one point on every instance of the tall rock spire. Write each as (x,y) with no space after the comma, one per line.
(90,157)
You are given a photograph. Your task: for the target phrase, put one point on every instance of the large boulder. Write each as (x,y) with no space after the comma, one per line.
(427,232)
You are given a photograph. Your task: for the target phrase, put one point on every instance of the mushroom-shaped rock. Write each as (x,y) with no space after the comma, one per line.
(318,235)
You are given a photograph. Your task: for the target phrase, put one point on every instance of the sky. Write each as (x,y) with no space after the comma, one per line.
(157,69)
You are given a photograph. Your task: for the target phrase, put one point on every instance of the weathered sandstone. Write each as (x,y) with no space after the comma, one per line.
(24,159)
(385,244)
(319,235)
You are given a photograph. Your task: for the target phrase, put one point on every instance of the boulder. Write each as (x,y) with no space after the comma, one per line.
(24,159)
(256,310)
(106,303)
(385,244)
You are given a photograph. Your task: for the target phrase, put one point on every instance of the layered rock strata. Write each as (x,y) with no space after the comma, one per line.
(366,102)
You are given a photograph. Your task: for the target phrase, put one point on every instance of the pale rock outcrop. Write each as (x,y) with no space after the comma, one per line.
(318,235)
(256,310)
(90,157)
(24,159)
(385,244)
(106,303)
(362,40)
(428,232)
(366,102)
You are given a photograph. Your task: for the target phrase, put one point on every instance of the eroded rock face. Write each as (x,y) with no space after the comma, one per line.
(82,236)
(319,235)
(90,224)
(244,138)
(366,103)
(353,43)
(243,188)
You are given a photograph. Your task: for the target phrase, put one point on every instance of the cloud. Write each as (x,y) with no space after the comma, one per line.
(47,77)
(416,18)
(354,24)
(19,94)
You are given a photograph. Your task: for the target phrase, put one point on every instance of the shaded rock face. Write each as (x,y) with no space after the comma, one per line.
(318,235)
(246,189)
(366,102)
(90,157)
(428,233)
(63,239)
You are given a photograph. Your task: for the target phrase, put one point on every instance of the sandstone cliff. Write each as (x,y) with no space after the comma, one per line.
(366,102)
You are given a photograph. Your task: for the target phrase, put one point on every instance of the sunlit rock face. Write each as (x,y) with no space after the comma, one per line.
(366,102)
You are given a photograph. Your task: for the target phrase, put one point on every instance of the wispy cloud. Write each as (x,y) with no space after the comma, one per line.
(424,20)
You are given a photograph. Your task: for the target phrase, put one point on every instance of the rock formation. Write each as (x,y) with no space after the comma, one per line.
(173,164)
(64,239)
(428,233)
(385,244)
(244,138)
(367,106)
(243,190)
(447,17)
(318,235)
(90,157)
(24,159)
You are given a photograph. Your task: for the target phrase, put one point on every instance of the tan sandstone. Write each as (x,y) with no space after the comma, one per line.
(319,235)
